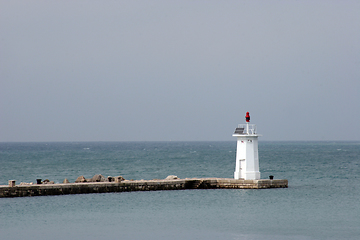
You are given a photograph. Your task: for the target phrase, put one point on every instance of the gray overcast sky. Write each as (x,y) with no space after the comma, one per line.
(178,70)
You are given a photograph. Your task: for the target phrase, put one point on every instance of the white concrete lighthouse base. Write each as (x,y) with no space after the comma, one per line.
(252,175)
(247,175)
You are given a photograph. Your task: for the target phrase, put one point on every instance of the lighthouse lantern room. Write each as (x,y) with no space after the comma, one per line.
(247,157)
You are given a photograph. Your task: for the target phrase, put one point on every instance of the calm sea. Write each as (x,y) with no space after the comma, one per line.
(322,201)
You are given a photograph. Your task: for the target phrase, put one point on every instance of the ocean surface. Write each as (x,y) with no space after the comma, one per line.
(322,201)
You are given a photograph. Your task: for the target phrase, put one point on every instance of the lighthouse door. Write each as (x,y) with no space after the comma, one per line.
(241,162)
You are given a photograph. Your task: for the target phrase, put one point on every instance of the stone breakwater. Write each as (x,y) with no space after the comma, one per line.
(175,183)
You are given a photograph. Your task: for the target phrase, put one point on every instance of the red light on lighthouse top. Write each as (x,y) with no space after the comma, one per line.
(247,117)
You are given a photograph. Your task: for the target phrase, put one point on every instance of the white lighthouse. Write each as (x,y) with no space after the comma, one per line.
(247,157)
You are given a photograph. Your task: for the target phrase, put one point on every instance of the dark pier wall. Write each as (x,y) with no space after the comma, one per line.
(140,185)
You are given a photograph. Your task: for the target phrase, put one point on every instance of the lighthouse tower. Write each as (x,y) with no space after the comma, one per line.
(247,157)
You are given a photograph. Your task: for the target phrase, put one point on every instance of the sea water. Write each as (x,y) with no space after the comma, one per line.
(322,201)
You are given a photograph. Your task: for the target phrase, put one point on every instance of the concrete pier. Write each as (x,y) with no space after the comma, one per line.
(13,190)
